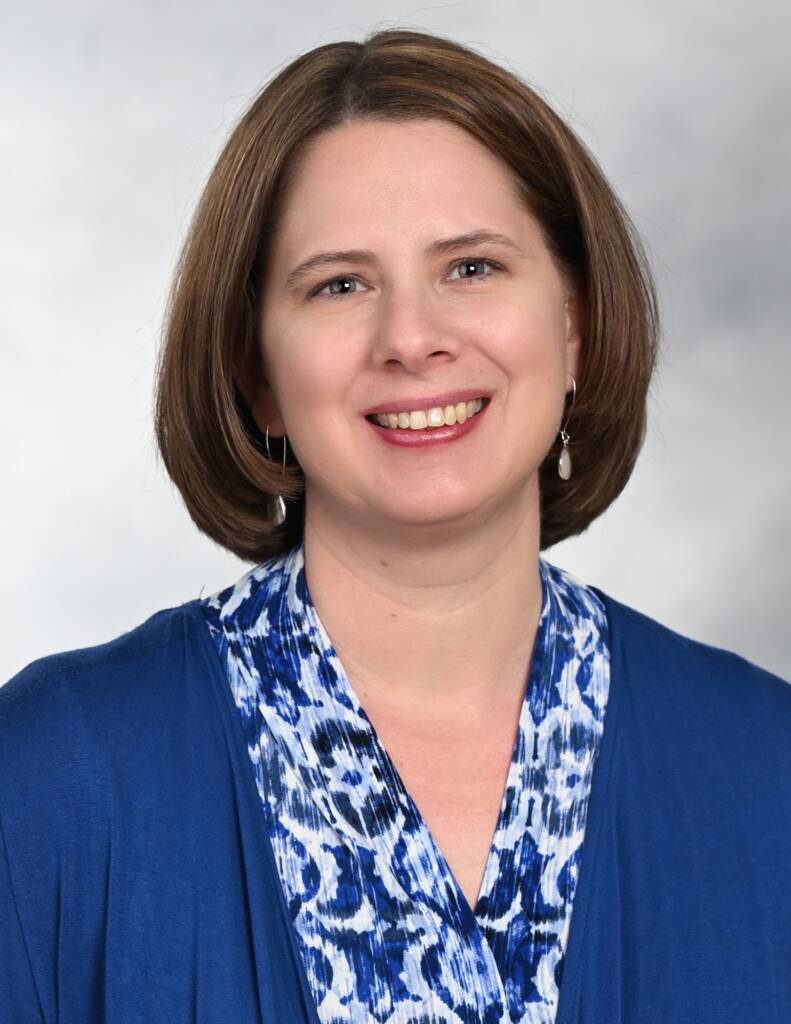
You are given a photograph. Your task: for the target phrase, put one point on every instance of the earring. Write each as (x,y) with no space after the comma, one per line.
(280,505)
(564,462)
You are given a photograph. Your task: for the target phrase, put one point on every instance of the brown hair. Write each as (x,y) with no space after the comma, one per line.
(208,440)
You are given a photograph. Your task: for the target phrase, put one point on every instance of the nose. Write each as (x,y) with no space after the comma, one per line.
(410,330)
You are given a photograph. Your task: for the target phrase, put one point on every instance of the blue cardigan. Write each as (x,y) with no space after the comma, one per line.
(137,883)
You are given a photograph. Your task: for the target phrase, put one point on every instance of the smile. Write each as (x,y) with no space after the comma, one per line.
(423,428)
(429,419)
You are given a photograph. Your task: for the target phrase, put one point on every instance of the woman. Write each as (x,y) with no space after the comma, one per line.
(409,346)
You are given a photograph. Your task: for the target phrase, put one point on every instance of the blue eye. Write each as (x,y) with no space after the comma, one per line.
(346,281)
(471,263)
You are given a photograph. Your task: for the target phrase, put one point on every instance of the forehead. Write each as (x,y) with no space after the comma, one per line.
(374,176)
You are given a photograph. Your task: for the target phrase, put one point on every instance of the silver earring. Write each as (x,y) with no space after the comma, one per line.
(564,462)
(280,505)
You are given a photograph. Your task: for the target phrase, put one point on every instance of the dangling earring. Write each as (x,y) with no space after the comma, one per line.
(564,462)
(280,505)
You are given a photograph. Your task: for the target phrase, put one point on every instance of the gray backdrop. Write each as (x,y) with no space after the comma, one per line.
(112,117)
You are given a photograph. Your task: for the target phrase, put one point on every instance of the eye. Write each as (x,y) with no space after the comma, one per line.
(472,267)
(343,280)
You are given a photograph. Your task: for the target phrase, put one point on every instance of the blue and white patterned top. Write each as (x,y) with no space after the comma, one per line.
(384,930)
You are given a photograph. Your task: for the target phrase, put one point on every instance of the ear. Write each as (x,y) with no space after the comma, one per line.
(576,319)
(260,396)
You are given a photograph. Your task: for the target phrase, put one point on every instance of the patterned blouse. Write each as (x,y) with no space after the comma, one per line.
(385,932)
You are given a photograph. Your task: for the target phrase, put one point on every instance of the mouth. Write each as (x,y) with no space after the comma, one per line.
(421,435)
(435,418)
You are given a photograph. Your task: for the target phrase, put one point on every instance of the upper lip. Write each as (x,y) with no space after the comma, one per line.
(427,402)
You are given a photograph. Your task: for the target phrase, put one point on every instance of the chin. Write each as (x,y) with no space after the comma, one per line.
(435,513)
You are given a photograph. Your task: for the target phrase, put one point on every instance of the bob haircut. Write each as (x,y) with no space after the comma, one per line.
(207,437)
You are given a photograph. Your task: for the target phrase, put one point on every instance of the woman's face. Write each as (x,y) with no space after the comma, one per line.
(391,313)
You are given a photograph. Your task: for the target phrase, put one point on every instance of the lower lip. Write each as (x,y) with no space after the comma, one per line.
(407,438)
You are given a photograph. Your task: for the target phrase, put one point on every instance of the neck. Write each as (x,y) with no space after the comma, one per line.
(437,617)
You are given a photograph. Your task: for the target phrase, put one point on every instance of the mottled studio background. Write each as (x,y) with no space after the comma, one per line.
(112,115)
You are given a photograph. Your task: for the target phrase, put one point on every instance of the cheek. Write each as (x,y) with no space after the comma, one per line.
(314,369)
(529,350)
(528,342)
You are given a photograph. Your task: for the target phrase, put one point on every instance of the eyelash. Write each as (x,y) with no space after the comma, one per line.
(351,277)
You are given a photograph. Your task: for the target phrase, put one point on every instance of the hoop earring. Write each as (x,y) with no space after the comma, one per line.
(280,505)
(564,462)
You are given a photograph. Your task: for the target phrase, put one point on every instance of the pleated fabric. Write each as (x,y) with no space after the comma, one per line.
(384,931)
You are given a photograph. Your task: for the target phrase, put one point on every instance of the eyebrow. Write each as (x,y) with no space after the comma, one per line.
(442,245)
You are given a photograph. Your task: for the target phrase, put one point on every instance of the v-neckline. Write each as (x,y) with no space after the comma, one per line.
(538,678)
(574,950)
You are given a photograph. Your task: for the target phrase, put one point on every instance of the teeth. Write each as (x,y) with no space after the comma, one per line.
(438,416)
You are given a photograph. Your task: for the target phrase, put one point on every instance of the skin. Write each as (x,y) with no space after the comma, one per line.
(422,564)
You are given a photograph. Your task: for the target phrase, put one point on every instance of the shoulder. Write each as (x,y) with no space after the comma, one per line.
(65,680)
(68,720)
(111,766)
(696,685)
(649,637)
(101,741)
